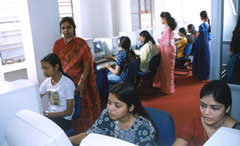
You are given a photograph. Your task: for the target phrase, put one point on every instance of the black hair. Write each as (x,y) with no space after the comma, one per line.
(170,20)
(204,15)
(54,60)
(147,36)
(126,93)
(183,31)
(165,15)
(125,43)
(171,23)
(237,27)
(192,28)
(235,43)
(70,21)
(220,92)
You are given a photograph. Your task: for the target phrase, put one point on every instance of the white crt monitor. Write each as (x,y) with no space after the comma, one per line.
(115,45)
(111,45)
(90,45)
(224,137)
(94,139)
(28,128)
(15,96)
(99,51)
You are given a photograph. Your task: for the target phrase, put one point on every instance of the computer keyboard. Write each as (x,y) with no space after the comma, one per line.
(100,59)
(102,65)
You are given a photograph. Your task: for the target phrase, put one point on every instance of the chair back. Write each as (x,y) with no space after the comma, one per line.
(154,63)
(102,83)
(165,125)
(77,105)
(188,49)
(132,71)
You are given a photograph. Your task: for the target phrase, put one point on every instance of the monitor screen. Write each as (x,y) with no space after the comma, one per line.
(118,41)
(98,47)
(115,45)
(99,51)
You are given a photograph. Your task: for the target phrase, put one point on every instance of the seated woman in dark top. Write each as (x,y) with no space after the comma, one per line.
(123,60)
(233,65)
(215,105)
(124,118)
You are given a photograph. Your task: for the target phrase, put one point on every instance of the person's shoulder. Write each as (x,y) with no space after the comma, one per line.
(145,123)
(122,53)
(232,123)
(78,39)
(67,79)
(47,80)
(61,40)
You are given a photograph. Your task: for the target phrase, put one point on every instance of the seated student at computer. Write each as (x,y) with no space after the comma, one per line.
(147,51)
(124,118)
(215,105)
(125,57)
(60,90)
(181,42)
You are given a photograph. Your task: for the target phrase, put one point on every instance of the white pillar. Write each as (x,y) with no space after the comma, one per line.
(40,28)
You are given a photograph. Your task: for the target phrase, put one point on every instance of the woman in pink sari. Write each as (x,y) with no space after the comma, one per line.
(164,78)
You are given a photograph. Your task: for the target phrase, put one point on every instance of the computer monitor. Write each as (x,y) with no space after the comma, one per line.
(115,45)
(90,45)
(98,49)
(94,139)
(15,96)
(28,128)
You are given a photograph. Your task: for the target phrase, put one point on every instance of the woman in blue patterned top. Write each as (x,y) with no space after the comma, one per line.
(124,58)
(124,118)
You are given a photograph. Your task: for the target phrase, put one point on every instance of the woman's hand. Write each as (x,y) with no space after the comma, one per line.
(80,87)
(108,56)
(107,65)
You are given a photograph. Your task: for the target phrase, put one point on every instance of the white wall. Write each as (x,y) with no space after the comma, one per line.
(40,30)
(184,12)
(122,16)
(96,18)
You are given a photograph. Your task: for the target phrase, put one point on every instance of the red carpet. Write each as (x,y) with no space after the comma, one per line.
(181,104)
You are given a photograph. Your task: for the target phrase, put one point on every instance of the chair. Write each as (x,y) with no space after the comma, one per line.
(145,79)
(77,111)
(132,71)
(102,85)
(165,125)
(182,64)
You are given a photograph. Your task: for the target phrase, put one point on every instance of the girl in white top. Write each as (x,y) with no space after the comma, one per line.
(147,51)
(60,90)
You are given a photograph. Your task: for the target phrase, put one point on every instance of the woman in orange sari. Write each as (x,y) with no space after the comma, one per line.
(77,62)
(164,78)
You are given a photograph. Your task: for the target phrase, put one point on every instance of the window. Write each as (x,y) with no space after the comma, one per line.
(11,46)
(65,8)
(142,13)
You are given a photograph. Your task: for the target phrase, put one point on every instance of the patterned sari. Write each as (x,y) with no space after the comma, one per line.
(73,55)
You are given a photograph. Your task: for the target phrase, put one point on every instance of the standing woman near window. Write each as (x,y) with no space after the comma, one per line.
(77,62)
(164,79)
(201,56)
